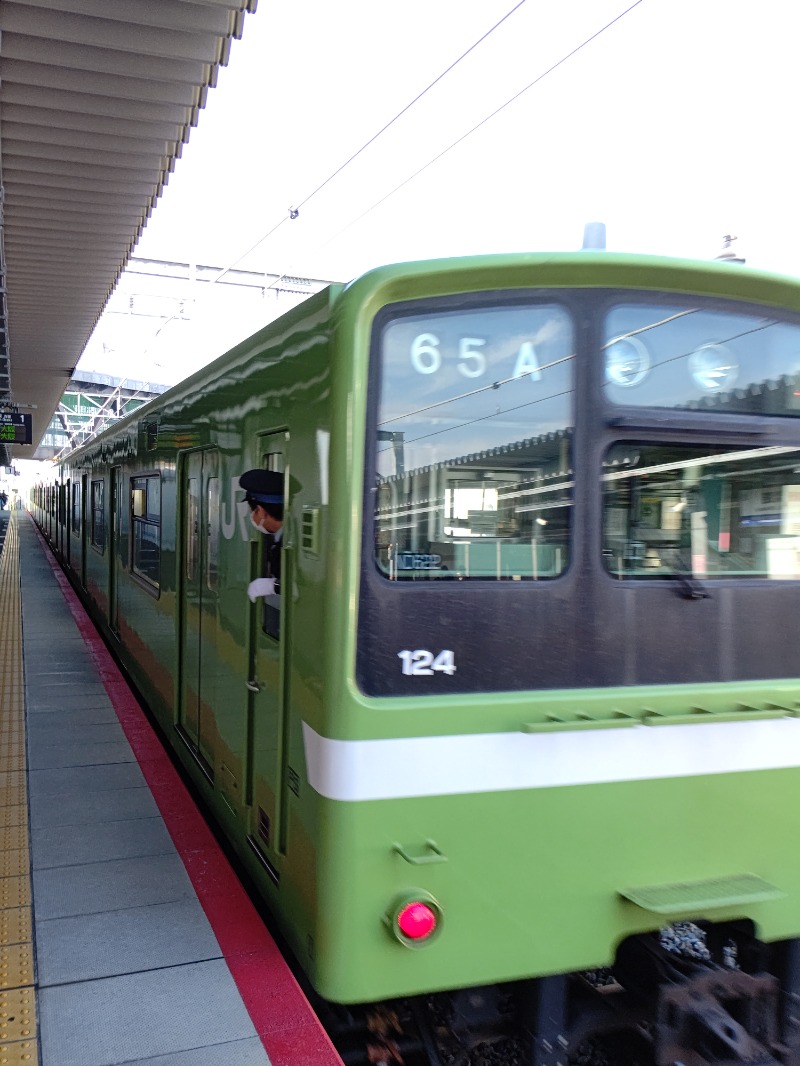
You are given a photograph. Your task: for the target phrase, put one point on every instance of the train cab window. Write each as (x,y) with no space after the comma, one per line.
(98,530)
(473,448)
(146,528)
(76,508)
(690,357)
(706,511)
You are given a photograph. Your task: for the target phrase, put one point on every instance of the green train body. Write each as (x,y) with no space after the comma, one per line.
(486,685)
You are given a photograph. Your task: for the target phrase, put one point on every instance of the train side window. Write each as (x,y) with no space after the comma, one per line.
(271,611)
(98,530)
(76,508)
(146,528)
(212,533)
(192,530)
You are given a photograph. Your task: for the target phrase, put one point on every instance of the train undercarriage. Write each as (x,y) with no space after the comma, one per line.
(692,995)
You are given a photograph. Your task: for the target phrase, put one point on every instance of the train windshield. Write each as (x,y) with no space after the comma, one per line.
(474,443)
(680,356)
(707,512)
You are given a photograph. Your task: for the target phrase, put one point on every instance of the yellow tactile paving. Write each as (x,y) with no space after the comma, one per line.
(16,965)
(13,816)
(15,891)
(17,995)
(16,862)
(13,790)
(17,1015)
(15,926)
(22,1054)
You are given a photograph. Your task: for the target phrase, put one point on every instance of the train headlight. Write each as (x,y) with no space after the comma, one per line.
(713,367)
(627,362)
(414,920)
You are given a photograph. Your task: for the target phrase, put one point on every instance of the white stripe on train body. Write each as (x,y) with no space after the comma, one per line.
(360,770)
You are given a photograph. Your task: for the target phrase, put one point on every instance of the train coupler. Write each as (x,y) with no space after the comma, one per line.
(719,1018)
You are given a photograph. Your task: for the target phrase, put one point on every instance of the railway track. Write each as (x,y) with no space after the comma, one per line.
(680,1008)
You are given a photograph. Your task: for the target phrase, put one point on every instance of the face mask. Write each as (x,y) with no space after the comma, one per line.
(255,524)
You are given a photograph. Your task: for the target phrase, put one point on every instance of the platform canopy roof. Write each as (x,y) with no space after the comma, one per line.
(97,98)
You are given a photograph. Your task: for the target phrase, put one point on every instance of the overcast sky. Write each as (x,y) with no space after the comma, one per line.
(674,126)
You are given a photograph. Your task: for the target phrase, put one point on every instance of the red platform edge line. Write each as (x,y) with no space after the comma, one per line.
(289,1029)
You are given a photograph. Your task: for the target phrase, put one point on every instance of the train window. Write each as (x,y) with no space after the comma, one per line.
(146,527)
(271,611)
(702,358)
(212,513)
(474,444)
(76,508)
(673,510)
(192,529)
(98,531)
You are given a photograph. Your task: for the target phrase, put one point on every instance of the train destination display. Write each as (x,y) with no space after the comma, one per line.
(14,428)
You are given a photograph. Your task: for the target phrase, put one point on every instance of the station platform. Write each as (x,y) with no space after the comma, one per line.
(125,936)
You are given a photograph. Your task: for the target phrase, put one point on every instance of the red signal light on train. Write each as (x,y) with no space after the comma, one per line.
(417,920)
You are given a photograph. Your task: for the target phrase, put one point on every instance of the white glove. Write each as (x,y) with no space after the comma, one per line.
(262,586)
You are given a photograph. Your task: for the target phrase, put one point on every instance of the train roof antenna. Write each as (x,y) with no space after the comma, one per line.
(728,253)
(594,237)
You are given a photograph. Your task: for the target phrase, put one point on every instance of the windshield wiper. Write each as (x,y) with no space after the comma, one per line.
(688,585)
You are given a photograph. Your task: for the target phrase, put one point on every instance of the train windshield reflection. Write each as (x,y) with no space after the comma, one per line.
(702,358)
(709,512)
(474,444)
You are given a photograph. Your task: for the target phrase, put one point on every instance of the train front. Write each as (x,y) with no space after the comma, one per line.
(568,714)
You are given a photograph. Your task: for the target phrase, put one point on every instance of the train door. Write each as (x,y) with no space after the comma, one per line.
(113,553)
(68,521)
(199,605)
(267,732)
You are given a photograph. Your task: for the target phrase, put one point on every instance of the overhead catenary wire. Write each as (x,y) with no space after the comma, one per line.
(483,121)
(293,212)
(409,105)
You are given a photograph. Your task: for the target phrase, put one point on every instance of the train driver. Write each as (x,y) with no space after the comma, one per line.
(264,495)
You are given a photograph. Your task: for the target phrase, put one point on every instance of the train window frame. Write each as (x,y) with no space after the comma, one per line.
(145,518)
(512,558)
(97,532)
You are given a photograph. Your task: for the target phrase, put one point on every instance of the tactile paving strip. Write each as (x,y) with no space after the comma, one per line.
(17,1018)
(15,925)
(17,995)
(11,817)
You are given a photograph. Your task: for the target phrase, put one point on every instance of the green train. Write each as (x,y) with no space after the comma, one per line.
(529,691)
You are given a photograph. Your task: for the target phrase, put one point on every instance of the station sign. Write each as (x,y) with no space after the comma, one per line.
(15,429)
